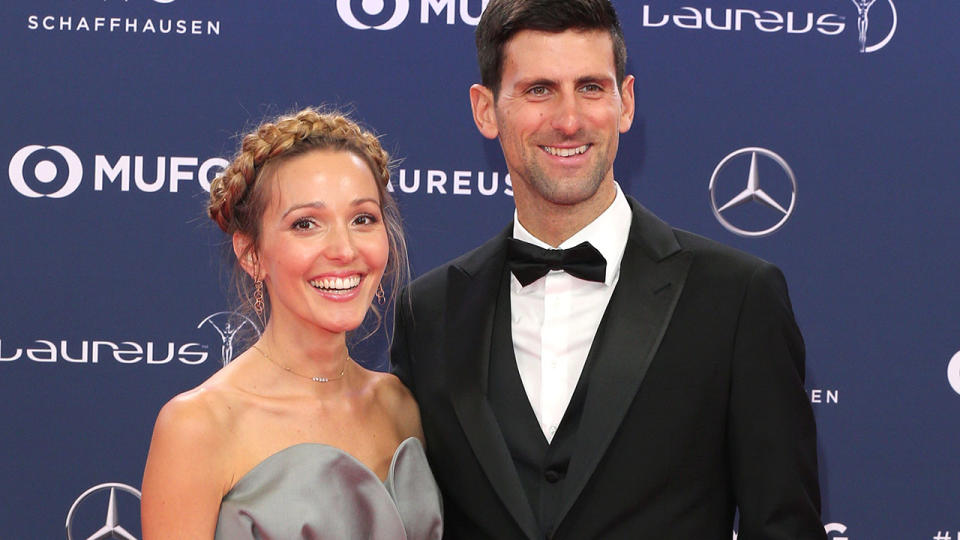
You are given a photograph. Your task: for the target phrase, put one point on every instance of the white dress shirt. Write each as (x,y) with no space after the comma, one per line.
(555,318)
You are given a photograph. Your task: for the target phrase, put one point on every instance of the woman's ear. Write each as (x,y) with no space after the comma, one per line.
(243,249)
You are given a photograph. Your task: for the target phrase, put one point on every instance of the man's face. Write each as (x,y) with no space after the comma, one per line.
(559,114)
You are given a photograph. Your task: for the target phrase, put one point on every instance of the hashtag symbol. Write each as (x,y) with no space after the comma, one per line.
(941,535)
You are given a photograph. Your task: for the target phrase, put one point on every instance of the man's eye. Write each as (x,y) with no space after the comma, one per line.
(538,91)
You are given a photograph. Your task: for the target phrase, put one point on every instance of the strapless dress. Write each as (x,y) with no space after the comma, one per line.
(317,491)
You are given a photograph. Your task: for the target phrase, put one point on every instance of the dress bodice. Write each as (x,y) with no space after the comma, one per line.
(317,491)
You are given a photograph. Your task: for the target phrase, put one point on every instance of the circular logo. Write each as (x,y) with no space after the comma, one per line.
(753,193)
(111,527)
(228,324)
(863,24)
(41,163)
(953,372)
(373,8)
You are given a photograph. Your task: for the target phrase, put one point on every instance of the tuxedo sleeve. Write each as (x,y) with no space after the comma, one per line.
(400,354)
(772,438)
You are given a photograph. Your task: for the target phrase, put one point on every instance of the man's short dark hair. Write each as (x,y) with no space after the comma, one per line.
(502,19)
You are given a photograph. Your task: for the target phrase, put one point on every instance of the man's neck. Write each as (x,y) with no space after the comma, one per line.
(554,224)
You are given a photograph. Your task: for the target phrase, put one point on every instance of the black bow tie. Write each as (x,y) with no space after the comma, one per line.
(529,263)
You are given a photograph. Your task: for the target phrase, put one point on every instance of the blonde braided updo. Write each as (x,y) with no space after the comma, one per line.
(239,195)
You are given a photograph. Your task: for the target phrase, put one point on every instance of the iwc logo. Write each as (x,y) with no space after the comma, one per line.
(228,324)
(51,166)
(372,8)
(111,526)
(863,25)
(770,203)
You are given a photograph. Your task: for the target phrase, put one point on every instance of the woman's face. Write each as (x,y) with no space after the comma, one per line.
(323,243)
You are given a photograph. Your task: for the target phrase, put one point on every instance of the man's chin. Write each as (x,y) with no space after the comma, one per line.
(569,191)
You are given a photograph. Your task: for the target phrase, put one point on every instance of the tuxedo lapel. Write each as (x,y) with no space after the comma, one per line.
(652,274)
(472,291)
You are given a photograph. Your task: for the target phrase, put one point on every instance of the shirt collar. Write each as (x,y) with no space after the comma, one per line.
(608,233)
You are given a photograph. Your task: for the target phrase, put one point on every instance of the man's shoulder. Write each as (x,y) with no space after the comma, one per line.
(713,250)
(661,240)
(715,264)
(468,263)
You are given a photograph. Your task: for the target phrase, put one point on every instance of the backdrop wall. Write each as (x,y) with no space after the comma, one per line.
(116,115)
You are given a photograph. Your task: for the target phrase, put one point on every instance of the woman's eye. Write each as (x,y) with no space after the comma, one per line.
(302,224)
(365,219)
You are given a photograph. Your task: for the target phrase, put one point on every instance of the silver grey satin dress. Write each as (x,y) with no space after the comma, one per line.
(316,491)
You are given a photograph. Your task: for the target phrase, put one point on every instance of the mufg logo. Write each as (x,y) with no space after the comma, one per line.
(46,169)
(389,14)
(56,172)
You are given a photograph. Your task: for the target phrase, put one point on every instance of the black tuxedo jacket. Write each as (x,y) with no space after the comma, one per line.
(695,406)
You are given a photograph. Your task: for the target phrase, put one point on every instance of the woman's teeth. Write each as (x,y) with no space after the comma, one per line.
(336,283)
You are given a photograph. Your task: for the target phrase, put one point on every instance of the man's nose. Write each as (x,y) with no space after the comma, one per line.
(567,118)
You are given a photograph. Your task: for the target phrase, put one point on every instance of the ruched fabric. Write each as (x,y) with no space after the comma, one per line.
(315,491)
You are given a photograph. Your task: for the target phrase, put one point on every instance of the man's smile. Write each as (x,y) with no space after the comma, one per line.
(565,152)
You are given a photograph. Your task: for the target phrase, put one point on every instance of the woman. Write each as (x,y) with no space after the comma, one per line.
(294,439)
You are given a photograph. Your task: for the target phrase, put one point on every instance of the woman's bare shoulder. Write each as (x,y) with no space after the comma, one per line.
(395,398)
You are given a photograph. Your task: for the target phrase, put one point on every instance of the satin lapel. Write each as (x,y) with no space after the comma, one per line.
(473,287)
(652,275)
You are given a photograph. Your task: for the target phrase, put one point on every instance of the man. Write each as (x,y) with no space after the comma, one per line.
(650,384)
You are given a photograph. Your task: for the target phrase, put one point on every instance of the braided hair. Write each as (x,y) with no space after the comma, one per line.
(239,198)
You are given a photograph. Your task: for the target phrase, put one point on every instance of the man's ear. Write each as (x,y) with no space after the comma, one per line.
(247,257)
(484,115)
(627,103)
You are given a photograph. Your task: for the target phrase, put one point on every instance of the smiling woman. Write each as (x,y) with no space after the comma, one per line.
(294,439)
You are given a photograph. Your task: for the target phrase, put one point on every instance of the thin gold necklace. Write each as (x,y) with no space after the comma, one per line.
(314,379)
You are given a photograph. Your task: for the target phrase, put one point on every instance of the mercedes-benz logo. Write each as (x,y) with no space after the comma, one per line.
(111,527)
(753,192)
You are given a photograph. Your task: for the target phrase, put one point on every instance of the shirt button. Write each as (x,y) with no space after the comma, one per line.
(552,475)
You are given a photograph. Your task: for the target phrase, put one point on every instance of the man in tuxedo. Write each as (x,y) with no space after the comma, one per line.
(591,372)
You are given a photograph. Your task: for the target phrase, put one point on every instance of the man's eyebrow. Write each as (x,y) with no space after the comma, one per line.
(598,79)
(585,79)
(539,81)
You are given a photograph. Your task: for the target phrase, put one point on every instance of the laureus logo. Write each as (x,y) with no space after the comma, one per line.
(227,325)
(54,171)
(373,8)
(863,24)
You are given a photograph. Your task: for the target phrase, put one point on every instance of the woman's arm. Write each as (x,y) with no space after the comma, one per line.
(187,471)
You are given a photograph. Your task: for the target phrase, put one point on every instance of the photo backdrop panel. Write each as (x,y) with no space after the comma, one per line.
(117,290)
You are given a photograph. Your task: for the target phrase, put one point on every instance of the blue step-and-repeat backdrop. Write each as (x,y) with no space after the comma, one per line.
(835,124)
